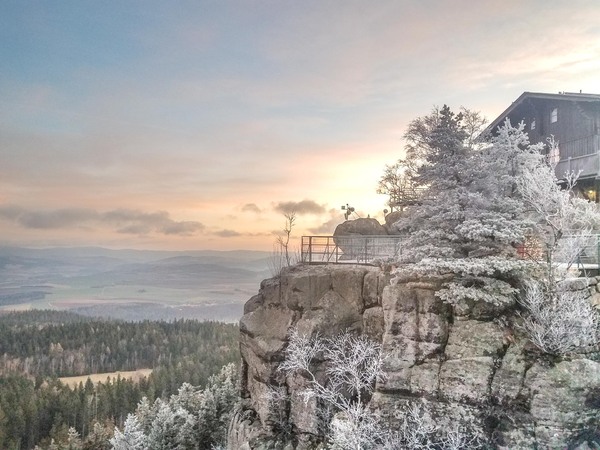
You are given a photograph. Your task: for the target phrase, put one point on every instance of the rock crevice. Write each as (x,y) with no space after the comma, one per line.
(468,367)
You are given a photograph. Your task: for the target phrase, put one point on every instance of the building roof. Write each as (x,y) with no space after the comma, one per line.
(561,96)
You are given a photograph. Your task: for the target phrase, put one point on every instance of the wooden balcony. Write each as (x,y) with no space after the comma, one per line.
(580,156)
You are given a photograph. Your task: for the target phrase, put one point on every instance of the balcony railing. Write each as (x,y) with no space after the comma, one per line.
(585,166)
(579,147)
(579,156)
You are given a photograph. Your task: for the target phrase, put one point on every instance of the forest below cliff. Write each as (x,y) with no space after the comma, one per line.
(38,347)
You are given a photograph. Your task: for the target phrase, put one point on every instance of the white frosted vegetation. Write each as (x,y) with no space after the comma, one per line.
(353,365)
(560,322)
(193,418)
(484,202)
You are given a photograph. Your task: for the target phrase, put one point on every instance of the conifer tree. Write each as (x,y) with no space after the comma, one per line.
(483,202)
(132,437)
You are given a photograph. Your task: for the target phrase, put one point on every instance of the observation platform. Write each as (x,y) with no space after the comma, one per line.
(369,249)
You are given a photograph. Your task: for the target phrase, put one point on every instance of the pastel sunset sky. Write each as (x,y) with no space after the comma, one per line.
(194,124)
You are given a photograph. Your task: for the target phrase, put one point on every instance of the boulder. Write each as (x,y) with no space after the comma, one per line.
(360,227)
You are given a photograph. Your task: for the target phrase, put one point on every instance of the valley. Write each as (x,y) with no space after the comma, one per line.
(131,284)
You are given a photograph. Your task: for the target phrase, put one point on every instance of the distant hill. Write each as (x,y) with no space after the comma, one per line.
(136,284)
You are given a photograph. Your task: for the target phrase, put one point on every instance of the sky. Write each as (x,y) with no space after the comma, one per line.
(191,125)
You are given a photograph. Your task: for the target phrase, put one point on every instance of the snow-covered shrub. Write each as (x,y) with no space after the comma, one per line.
(353,365)
(489,279)
(560,321)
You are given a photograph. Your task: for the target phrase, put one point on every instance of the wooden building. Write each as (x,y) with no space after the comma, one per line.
(574,121)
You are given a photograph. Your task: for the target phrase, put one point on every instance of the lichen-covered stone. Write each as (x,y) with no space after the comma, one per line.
(508,379)
(349,284)
(336,315)
(303,411)
(373,323)
(373,284)
(466,379)
(424,378)
(268,328)
(302,289)
(564,398)
(472,338)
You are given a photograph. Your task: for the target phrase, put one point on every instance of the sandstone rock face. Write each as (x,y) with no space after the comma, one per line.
(470,369)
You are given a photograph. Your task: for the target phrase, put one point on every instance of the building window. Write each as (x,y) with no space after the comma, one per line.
(554,115)
(533,124)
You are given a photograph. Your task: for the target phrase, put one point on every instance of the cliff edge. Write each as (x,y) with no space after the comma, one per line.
(468,367)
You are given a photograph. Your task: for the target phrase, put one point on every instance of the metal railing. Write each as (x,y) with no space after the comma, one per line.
(587,256)
(366,249)
(349,249)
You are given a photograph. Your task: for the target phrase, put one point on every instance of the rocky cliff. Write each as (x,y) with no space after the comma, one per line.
(469,366)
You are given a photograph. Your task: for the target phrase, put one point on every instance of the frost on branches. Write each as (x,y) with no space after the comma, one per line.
(473,218)
(559,321)
(494,218)
(353,365)
(192,419)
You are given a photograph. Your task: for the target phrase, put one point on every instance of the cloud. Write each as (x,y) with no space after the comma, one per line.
(186,228)
(227,233)
(328,227)
(59,218)
(125,221)
(138,222)
(302,207)
(251,207)
(10,212)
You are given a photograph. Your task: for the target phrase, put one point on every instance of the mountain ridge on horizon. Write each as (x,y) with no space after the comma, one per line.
(106,250)
(131,284)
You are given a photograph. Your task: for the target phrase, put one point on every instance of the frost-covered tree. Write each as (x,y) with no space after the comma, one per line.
(172,428)
(216,406)
(193,418)
(132,437)
(352,365)
(397,184)
(558,320)
(495,219)
(99,437)
(564,222)
(473,218)
(472,207)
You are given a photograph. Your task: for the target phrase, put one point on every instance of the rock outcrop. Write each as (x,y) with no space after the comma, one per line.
(360,227)
(468,368)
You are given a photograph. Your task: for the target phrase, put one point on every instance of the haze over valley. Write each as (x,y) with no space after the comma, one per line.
(131,284)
